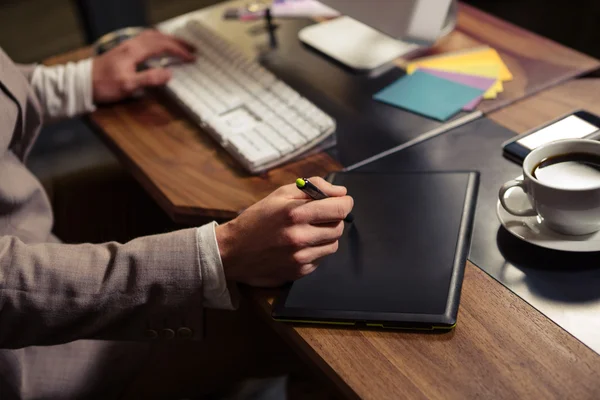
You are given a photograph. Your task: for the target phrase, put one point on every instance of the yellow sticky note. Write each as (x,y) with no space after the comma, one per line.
(491,93)
(486,70)
(471,56)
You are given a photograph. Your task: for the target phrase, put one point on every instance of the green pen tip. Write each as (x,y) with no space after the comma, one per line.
(300,182)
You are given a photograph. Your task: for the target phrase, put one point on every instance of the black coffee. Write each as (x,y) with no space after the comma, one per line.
(569,171)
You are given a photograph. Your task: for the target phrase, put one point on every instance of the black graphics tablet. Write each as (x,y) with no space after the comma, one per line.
(400,263)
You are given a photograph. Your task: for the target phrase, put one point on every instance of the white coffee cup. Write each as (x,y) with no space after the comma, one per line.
(565,210)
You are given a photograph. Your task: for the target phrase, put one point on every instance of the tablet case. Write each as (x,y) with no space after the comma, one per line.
(400,264)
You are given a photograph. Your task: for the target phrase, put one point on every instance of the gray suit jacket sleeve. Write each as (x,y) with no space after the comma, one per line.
(26,70)
(56,293)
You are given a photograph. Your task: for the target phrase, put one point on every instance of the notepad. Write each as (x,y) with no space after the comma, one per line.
(479,55)
(428,95)
(485,70)
(475,81)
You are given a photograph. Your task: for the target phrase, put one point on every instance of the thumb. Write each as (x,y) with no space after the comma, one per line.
(328,188)
(152,77)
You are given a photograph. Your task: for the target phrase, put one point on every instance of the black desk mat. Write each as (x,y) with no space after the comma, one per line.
(365,127)
(563,286)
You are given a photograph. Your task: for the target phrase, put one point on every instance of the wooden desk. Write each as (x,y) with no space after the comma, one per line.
(550,104)
(501,348)
(176,162)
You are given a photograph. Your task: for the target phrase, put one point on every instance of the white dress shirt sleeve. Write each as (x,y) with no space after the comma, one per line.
(218,293)
(64,91)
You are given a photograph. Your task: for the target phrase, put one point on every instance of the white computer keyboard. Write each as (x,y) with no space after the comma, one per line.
(257,118)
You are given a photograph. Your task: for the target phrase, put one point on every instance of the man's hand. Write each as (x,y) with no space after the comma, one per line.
(114,75)
(282,237)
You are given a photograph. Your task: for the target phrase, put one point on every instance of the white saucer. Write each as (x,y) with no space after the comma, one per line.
(532,230)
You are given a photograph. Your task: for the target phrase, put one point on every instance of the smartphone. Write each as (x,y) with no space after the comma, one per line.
(578,125)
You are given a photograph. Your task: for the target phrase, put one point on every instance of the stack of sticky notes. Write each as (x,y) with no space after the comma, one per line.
(442,85)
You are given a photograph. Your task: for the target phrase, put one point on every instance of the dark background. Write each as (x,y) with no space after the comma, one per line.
(573,23)
(31,30)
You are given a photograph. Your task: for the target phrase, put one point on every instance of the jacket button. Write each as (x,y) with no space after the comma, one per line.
(184,333)
(151,334)
(167,334)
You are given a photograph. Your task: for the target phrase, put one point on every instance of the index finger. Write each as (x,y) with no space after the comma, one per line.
(333,209)
(154,43)
(328,188)
(292,191)
(190,47)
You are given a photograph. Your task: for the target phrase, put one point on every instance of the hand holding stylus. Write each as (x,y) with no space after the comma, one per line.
(315,193)
(284,236)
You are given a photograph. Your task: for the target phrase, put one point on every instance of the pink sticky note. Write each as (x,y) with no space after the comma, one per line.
(471,105)
(479,82)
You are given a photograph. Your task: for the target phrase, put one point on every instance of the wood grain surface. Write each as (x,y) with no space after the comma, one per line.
(502,348)
(550,104)
(184,168)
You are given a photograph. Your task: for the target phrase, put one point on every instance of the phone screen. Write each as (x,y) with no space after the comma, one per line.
(571,127)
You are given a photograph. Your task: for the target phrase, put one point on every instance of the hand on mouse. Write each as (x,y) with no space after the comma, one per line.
(282,237)
(115,75)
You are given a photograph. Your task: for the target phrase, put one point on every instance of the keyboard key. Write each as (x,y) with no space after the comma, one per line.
(223,131)
(290,116)
(284,92)
(288,133)
(282,145)
(256,117)
(307,130)
(267,79)
(240,120)
(188,97)
(244,148)
(215,89)
(210,99)
(264,151)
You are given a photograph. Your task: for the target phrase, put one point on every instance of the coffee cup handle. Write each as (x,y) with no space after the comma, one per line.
(529,212)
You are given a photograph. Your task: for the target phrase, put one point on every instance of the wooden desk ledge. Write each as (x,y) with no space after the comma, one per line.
(502,348)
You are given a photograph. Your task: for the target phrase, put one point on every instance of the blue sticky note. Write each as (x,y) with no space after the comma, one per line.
(428,95)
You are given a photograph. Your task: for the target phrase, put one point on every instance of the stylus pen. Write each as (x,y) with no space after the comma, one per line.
(316,194)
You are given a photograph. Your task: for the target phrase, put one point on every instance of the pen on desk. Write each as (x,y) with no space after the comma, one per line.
(316,194)
(270,28)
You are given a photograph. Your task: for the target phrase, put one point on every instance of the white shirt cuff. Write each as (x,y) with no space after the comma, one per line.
(218,293)
(64,91)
